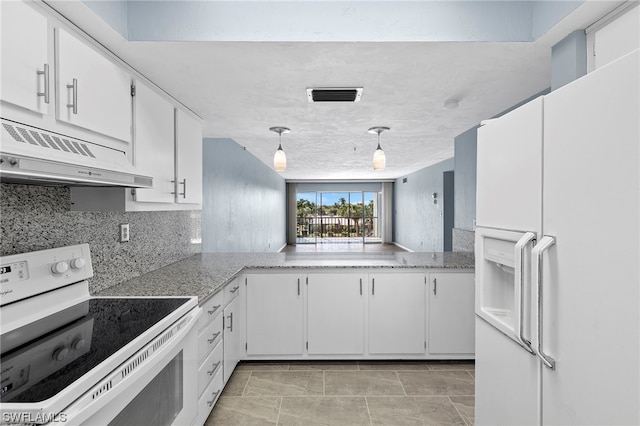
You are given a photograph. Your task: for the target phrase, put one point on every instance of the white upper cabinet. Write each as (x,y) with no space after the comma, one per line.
(154,144)
(26,72)
(188,159)
(93,92)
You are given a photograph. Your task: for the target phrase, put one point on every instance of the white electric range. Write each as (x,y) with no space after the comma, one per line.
(69,358)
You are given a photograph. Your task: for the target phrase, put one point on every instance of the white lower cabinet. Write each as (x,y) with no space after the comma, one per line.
(335,314)
(275,315)
(397,313)
(451,313)
(209,397)
(219,341)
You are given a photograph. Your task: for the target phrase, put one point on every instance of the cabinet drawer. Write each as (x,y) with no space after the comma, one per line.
(209,338)
(210,367)
(209,397)
(210,309)
(231,291)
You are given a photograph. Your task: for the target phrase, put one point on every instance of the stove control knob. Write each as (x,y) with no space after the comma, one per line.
(59,267)
(60,353)
(78,344)
(78,263)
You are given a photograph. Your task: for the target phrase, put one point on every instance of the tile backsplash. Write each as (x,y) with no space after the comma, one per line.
(463,240)
(39,217)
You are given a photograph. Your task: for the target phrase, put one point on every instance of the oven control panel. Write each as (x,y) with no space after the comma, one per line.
(13,272)
(30,274)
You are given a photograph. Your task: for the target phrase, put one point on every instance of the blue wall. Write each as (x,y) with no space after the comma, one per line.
(465,151)
(569,59)
(244,201)
(418,223)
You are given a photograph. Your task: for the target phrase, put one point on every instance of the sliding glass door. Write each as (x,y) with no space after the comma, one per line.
(338,217)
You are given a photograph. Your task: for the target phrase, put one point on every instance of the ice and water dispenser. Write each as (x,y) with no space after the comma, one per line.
(502,297)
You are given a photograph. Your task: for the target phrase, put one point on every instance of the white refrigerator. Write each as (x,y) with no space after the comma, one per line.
(558,256)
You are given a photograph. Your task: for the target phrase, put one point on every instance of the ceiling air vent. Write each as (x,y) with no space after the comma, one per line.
(348,94)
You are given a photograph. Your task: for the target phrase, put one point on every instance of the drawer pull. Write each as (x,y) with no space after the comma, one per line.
(215,395)
(233,290)
(215,308)
(215,368)
(213,338)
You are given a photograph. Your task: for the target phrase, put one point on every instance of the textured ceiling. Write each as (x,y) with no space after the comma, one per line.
(241,89)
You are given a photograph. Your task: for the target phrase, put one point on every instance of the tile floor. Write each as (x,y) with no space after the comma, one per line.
(347,393)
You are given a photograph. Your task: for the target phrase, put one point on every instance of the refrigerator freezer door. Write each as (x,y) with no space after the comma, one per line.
(509,179)
(507,391)
(591,276)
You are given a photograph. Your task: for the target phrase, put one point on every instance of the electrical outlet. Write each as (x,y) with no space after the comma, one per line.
(124,232)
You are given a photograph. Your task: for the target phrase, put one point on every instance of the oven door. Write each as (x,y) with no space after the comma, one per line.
(156,386)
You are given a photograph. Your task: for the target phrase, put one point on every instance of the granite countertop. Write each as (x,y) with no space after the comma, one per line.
(204,274)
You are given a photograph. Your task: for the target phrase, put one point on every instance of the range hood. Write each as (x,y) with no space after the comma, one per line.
(34,156)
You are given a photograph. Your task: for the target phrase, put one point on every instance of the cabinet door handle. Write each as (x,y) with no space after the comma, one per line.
(215,367)
(215,308)
(184,191)
(215,395)
(230,322)
(373,286)
(213,337)
(45,73)
(74,96)
(298,286)
(360,286)
(233,290)
(435,287)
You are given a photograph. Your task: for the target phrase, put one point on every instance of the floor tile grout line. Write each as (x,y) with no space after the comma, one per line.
(279,410)
(458,411)
(244,389)
(324,383)
(366,402)
(401,385)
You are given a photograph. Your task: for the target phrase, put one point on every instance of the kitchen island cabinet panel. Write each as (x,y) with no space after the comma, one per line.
(275,318)
(451,313)
(335,314)
(397,309)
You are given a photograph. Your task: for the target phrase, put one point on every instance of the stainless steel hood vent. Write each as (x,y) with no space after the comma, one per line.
(35,156)
(332,94)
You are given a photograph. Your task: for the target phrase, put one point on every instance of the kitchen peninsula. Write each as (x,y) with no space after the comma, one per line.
(204,274)
(318,306)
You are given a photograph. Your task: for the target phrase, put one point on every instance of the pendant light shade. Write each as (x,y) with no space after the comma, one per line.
(379,158)
(280,158)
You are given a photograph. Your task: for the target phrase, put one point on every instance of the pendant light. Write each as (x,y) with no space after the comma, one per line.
(379,159)
(280,159)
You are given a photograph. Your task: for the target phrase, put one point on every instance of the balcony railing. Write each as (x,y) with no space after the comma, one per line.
(337,228)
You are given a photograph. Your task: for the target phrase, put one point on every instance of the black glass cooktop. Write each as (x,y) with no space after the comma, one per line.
(40,368)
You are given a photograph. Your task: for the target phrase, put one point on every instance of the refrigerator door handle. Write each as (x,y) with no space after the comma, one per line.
(527,239)
(545,243)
